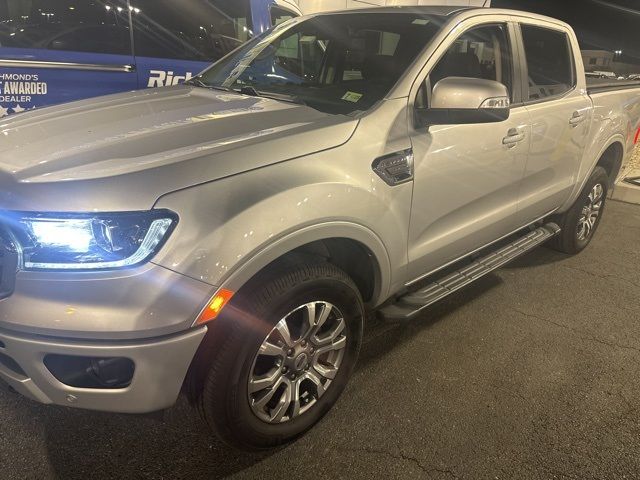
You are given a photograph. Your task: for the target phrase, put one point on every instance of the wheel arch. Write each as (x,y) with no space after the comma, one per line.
(610,157)
(611,160)
(354,248)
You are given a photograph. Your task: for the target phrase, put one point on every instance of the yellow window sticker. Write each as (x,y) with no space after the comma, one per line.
(352,97)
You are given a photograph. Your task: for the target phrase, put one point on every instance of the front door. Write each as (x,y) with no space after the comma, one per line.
(467,176)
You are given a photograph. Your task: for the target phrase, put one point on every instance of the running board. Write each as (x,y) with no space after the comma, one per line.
(413,303)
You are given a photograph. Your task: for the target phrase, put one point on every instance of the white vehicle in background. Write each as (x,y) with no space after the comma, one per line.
(594,75)
(602,74)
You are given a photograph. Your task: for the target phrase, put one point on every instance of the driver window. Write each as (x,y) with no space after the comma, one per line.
(482,52)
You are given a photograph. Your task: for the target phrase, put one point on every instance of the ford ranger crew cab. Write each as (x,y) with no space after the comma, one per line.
(228,237)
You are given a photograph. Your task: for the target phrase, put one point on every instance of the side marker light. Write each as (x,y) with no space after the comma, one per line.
(215,306)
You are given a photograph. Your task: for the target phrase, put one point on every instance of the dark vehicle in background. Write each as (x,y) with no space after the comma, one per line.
(55,51)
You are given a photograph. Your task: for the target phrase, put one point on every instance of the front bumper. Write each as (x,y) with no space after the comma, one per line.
(160,368)
(132,304)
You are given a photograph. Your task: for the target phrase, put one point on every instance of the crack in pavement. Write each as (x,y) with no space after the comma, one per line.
(580,333)
(428,469)
(602,276)
(631,408)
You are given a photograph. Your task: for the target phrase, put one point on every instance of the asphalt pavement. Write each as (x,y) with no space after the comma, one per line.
(530,373)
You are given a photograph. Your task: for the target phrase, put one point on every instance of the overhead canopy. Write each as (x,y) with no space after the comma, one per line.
(313,6)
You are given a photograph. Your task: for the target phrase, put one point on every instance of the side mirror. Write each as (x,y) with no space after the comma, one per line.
(460,100)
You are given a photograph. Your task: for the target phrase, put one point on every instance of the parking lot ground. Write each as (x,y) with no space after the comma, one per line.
(530,373)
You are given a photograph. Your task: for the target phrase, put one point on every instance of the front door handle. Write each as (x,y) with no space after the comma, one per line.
(576,118)
(513,137)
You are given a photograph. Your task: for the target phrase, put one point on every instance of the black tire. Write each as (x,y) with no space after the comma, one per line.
(223,393)
(569,241)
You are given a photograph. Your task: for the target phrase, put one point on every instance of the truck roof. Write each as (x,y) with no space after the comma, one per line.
(441,10)
(448,11)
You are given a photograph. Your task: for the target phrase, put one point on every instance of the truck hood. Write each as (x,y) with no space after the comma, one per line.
(122,152)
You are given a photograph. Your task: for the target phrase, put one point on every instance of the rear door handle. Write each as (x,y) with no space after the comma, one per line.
(513,136)
(577,118)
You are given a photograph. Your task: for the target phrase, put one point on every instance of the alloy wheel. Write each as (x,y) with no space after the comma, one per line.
(590,213)
(297,362)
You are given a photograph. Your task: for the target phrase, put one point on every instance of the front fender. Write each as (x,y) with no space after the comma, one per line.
(232,228)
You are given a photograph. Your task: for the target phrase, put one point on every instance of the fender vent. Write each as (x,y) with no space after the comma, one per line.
(396,168)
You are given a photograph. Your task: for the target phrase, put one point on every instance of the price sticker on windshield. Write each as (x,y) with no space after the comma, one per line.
(352,97)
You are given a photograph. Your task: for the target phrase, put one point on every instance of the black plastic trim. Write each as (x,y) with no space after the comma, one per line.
(461,116)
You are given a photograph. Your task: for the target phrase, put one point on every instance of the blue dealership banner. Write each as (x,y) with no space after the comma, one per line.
(57,51)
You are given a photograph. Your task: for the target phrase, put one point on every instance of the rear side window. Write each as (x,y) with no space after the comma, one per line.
(199,30)
(67,25)
(549,62)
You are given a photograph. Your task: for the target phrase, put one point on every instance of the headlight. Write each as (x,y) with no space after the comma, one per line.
(89,242)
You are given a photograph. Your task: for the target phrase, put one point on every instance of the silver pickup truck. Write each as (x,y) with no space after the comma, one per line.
(229,237)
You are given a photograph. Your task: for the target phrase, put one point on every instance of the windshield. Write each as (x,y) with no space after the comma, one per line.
(336,63)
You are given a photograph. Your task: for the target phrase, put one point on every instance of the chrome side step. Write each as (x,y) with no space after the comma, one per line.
(411,304)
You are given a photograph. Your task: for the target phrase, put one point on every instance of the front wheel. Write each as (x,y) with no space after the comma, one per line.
(283,353)
(581,221)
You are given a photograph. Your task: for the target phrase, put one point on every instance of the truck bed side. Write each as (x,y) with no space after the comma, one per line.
(616,114)
(614,124)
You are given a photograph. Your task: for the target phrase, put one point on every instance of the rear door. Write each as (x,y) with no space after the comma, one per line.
(56,51)
(174,40)
(560,115)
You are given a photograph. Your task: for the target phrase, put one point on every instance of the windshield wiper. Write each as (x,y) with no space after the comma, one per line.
(199,83)
(282,97)
(249,90)
(286,98)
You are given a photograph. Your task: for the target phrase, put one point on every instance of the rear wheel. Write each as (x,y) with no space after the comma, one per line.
(281,355)
(581,221)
